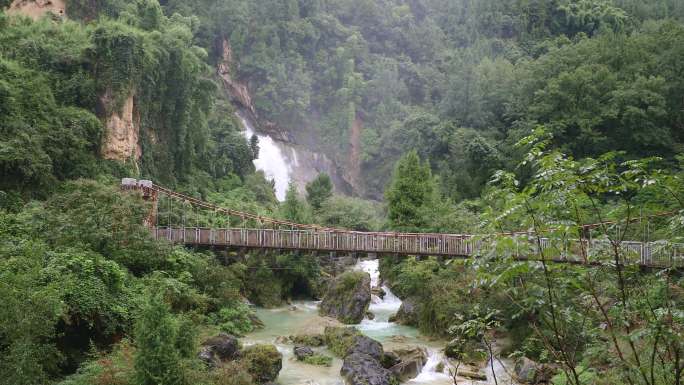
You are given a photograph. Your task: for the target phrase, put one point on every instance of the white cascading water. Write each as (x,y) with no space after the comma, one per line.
(383,308)
(272,161)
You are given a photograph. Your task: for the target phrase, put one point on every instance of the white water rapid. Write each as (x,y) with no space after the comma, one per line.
(383,330)
(272,159)
(303,318)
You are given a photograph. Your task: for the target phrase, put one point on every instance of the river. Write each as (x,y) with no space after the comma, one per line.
(303,318)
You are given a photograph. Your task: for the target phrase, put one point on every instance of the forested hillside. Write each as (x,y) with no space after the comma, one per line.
(459,81)
(452,116)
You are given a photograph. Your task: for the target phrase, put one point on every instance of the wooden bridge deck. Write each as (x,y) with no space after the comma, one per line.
(648,254)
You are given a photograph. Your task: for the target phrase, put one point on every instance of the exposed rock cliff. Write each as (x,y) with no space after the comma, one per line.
(239,92)
(36,9)
(122,131)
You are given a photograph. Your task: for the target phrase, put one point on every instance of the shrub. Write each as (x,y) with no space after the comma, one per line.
(319,359)
(263,362)
(157,360)
(234,319)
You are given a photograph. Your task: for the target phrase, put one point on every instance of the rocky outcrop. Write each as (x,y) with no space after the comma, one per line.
(348,297)
(36,9)
(407,313)
(411,362)
(366,345)
(362,369)
(122,131)
(220,348)
(263,362)
(238,90)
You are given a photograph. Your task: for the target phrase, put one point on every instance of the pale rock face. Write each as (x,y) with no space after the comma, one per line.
(36,9)
(238,90)
(122,133)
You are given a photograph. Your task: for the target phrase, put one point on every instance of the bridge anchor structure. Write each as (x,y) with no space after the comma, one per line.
(182,219)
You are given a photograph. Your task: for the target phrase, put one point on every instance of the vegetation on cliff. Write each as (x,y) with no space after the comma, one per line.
(474,116)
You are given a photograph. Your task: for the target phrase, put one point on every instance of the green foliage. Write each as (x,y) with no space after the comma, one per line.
(319,190)
(340,339)
(412,188)
(293,209)
(157,360)
(349,213)
(27,355)
(233,320)
(319,360)
(263,362)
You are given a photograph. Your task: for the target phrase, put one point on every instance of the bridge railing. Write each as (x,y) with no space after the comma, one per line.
(518,246)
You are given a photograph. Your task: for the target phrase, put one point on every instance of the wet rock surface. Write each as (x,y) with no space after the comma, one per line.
(411,362)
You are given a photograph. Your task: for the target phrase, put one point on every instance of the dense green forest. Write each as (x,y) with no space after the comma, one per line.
(462,116)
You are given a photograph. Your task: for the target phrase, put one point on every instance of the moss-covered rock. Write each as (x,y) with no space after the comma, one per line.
(347,297)
(314,340)
(263,362)
(340,339)
(319,359)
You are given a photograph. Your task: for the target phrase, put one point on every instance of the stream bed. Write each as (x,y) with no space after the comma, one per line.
(302,318)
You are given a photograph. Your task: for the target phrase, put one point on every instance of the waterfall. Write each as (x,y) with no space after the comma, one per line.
(272,159)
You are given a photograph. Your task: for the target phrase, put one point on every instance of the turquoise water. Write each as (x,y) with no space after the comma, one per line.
(303,318)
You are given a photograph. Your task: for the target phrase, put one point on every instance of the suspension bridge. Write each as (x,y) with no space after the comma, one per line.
(182,219)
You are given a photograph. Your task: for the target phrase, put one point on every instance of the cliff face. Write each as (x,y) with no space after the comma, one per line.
(122,132)
(36,9)
(238,90)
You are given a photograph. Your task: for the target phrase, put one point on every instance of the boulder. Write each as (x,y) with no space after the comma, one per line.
(370,315)
(407,313)
(411,362)
(301,352)
(366,345)
(362,369)
(378,291)
(220,348)
(405,371)
(263,362)
(347,297)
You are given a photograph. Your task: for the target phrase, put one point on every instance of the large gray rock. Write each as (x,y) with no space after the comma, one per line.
(347,297)
(411,362)
(407,313)
(362,369)
(220,348)
(366,345)
(301,352)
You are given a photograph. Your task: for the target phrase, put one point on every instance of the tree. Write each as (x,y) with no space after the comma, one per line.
(157,360)
(293,208)
(319,190)
(411,189)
